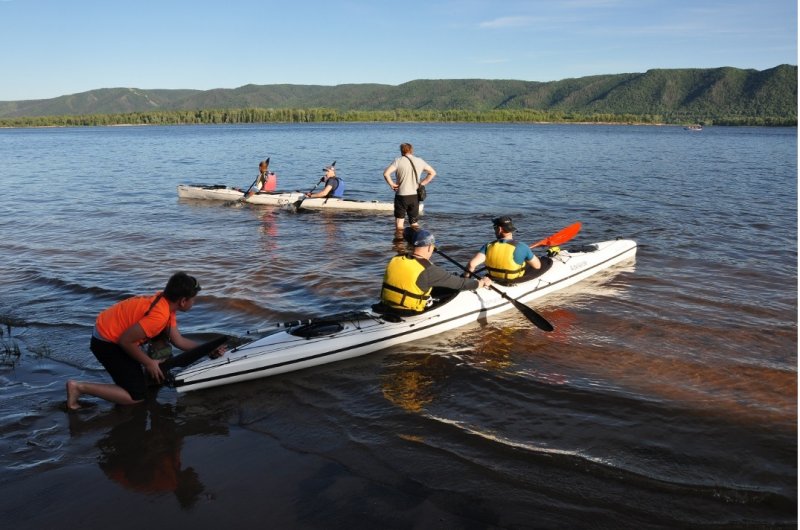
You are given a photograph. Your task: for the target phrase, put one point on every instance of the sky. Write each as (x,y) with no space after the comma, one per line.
(57,47)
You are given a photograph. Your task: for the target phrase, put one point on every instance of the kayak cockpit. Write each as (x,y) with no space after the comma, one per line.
(326,326)
(439,297)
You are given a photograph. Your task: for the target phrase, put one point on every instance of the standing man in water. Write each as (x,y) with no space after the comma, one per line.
(408,177)
(119,334)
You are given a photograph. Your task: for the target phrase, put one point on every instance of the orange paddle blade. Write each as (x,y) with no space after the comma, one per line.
(560,237)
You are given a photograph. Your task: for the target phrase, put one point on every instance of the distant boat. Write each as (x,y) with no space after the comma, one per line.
(693,128)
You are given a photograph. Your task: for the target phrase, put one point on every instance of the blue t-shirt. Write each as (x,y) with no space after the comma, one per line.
(522,252)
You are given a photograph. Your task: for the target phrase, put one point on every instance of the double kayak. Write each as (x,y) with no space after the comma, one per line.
(219,192)
(303,344)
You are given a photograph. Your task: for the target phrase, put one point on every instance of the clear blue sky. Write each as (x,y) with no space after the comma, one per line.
(56,47)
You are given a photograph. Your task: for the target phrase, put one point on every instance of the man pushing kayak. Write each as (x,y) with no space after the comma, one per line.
(120,333)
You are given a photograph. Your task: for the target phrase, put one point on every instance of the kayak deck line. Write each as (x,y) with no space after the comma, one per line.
(291,343)
(285,351)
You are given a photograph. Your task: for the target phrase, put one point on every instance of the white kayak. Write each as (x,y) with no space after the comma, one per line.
(219,192)
(335,338)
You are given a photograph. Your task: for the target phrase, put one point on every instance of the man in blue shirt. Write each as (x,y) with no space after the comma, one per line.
(334,186)
(506,260)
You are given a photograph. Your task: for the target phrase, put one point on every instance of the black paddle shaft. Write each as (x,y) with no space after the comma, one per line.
(299,201)
(535,318)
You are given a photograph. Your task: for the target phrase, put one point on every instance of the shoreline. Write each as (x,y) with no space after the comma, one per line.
(614,123)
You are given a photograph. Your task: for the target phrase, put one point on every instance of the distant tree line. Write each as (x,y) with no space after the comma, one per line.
(319,115)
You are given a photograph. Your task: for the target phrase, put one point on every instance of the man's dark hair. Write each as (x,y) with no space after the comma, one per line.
(181,285)
(405,149)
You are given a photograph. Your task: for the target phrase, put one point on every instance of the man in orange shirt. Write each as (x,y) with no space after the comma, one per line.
(119,334)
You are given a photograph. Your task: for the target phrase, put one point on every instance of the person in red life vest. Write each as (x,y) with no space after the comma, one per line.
(410,278)
(334,186)
(267,180)
(119,334)
(506,260)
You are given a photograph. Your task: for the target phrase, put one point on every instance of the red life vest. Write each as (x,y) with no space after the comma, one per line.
(270,182)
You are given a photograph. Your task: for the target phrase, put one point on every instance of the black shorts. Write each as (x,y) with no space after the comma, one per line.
(406,204)
(123,369)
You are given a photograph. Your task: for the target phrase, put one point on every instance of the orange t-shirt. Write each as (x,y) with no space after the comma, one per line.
(113,322)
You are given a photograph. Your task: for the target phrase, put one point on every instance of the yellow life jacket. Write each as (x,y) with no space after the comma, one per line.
(400,284)
(500,260)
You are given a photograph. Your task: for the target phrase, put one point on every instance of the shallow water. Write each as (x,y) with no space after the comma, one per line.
(667,396)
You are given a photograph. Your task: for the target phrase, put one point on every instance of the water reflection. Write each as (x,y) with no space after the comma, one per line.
(269,227)
(142,449)
(411,383)
(331,228)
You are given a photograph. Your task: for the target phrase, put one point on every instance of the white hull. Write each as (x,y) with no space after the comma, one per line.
(225,193)
(367,331)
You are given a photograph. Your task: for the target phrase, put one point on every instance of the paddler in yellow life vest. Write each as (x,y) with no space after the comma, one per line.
(410,278)
(506,259)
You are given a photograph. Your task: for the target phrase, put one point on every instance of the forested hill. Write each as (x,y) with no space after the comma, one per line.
(675,95)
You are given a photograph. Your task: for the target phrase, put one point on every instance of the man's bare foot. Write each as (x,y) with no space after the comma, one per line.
(73,393)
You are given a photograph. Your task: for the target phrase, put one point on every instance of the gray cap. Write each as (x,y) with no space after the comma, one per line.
(418,238)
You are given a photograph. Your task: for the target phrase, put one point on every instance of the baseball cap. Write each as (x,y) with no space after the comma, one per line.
(418,238)
(423,238)
(504,222)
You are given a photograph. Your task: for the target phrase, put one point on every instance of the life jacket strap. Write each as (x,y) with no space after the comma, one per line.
(405,293)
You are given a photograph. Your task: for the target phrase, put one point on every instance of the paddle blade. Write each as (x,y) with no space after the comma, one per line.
(560,237)
(535,318)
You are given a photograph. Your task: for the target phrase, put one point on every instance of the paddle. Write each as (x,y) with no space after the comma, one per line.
(560,237)
(244,197)
(299,202)
(189,356)
(534,317)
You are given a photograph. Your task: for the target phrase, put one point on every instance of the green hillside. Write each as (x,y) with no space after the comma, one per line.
(718,95)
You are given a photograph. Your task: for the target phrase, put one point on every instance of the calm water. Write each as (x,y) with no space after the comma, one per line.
(667,396)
